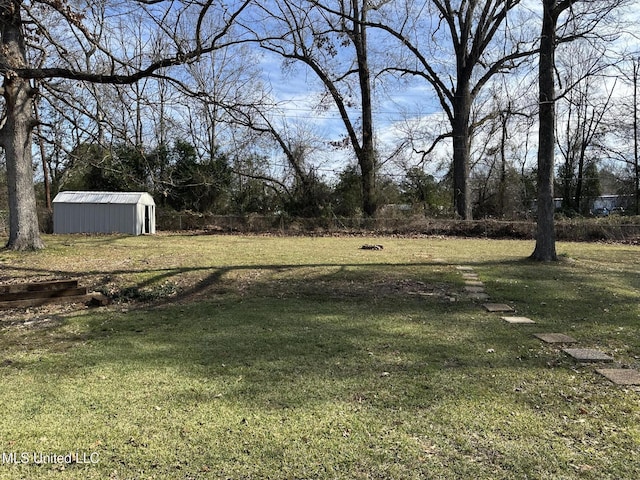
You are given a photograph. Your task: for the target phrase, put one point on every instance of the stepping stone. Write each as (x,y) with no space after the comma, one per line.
(474,283)
(587,355)
(497,307)
(474,289)
(621,376)
(479,296)
(464,268)
(469,275)
(555,338)
(518,320)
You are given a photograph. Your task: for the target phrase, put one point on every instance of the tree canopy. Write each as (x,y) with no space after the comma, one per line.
(203,102)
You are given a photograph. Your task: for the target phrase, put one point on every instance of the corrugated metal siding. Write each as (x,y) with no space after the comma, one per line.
(102,212)
(95,218)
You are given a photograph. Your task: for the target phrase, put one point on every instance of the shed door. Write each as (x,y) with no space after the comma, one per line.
(147,219)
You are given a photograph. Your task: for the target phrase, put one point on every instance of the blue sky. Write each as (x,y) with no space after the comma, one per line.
(298,91)
(410,102)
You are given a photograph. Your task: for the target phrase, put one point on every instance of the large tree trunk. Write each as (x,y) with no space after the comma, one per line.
(367,153)
(545,249)
(15,134)
(636,140)
(369,196)
(461,151)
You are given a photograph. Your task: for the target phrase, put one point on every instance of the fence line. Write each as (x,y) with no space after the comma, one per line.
(580,229)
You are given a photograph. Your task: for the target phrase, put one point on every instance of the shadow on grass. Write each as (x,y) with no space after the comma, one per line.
(559,295)
(210,276)
(377,352)
(573,286)
(277,353)
(363,327)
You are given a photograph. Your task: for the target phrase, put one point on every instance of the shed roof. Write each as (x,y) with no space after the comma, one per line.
(128,198)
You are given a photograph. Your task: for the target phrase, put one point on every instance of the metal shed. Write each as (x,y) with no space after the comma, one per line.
(104,212)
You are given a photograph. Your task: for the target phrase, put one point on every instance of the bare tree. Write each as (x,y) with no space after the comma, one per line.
(216,94)
(317,34)
(577,24)
(15,133)
(481,44)
(502,149)
(635,78)
(580,140)
(626,139)
(21,22)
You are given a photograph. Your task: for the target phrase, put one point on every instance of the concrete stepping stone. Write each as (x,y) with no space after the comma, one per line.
(497,307)
(518,320)
(469,275)
(621,376)
(474,289)
(587,355)
(555,338)
(473,283)
(464,268)
(479,296)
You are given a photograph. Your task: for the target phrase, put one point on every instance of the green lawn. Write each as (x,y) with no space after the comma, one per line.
(288,358)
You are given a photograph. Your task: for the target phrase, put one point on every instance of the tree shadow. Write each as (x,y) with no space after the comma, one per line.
(361,326)
(276,353)
(211,276)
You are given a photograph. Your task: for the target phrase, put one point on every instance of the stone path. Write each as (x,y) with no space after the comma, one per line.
(555,338)
(498,307)
(518,320)
(621,376)
(475,290)
(587,355)
(473,287)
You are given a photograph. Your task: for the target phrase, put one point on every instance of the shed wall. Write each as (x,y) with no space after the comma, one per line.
(104,212)
(95,218)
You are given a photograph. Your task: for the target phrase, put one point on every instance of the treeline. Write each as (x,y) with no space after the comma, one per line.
(286,105)
(180,179)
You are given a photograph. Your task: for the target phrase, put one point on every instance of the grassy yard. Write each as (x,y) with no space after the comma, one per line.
(292,358)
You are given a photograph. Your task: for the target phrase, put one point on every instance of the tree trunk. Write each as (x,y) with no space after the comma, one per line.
(580,181)
(567,173)
(15,134)
(636,163)
(461,151)
(502,200)
(545,249)
(367,153)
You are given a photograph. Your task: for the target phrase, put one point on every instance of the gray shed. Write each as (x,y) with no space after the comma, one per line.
(104,212)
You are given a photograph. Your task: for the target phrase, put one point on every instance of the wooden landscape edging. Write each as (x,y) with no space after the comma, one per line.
(37,286)
(33,294)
